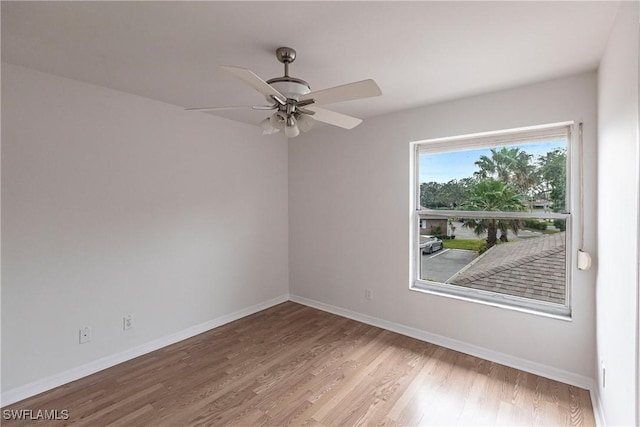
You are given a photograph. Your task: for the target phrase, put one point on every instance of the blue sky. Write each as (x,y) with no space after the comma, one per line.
(460,164)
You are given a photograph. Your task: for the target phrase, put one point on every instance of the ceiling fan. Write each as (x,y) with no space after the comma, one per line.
(296,107)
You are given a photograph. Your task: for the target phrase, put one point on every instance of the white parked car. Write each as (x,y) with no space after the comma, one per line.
(430,244)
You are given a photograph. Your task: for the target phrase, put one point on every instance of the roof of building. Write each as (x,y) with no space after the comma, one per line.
(532,268)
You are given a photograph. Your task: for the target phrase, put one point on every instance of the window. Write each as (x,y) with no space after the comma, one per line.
(491,218)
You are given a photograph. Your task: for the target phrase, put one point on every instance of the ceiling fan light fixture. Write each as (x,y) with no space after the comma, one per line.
(277,121)
(267,127)
(292,131)
(305,122)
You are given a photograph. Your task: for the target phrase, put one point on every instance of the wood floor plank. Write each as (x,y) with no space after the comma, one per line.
(294,365)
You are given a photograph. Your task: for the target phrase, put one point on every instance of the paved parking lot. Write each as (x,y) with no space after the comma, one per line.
(441,265)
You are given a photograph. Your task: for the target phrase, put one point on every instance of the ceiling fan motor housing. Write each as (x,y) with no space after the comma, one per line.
(290,87)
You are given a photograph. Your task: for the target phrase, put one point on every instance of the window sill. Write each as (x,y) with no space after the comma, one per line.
(485,299)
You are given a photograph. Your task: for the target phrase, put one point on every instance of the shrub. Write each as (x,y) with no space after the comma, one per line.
(560,224)
(535,224)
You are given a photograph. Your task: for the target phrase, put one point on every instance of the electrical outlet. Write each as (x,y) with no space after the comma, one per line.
(368,294)
(85,334)
(127,322)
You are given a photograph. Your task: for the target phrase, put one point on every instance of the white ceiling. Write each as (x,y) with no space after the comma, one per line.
(418,52)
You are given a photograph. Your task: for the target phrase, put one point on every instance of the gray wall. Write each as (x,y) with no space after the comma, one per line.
(349,214)
(114,204)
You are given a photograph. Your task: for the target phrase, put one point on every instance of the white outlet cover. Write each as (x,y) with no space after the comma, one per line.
(127,322)
(85,335)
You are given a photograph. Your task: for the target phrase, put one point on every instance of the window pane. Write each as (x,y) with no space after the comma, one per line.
(523,177)
(528,260)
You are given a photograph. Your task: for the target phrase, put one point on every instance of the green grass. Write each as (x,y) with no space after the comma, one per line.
(471,245)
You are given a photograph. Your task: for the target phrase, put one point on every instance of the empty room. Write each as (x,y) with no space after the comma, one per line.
(315,213)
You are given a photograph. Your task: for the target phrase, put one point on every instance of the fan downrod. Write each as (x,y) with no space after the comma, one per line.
(286,55)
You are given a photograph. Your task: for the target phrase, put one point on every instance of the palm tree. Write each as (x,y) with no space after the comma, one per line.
(494,196)
(510,165)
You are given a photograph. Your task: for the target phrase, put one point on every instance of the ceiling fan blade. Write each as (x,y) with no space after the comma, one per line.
(250,78)
(238,107)
(348,92)
(333,118)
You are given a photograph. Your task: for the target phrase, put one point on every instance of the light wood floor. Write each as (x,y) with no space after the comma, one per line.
(294,365)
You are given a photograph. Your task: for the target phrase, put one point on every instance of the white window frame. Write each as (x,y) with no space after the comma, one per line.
(529,134)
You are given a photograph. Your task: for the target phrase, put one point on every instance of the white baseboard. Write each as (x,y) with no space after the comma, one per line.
(36,387)
(11,396)
(473,350)
(597,407)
